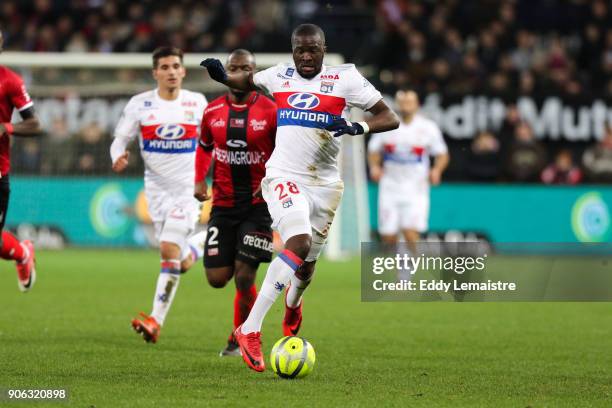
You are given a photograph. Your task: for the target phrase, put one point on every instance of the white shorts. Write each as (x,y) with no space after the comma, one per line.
(400,211)
(298,208)
(174,217)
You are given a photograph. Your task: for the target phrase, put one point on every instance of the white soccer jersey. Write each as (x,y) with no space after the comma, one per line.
(406,152)
(304,150)
(167,133)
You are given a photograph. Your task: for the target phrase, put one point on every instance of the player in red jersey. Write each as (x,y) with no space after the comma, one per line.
(239,130)
(13,95)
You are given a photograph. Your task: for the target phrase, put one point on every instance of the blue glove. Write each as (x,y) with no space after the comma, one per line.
(342,126)
(215,69)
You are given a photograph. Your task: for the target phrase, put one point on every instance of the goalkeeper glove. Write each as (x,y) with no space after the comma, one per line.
(215,69)
(341,126)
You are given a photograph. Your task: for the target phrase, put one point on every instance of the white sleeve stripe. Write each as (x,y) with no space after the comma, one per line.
(26,106)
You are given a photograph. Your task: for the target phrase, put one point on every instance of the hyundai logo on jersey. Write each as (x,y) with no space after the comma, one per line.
(303,101)
(170,131)
(307,109)
(169,138)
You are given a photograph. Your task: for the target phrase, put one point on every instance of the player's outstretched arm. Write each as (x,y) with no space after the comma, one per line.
(119,155)
(30,126)
(440,164)
(238,80)
(383,119)
(375,165)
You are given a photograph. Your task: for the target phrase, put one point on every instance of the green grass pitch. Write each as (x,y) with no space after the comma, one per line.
(72,331)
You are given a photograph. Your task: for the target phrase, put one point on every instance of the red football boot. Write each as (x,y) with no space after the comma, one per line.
(293,319)
(26,273)
(250,347)
(148,328)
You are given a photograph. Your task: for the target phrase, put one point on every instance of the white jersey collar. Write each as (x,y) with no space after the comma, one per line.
(162,100)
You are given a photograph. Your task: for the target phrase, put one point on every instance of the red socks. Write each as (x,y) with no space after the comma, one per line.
(243,302)
(11,247)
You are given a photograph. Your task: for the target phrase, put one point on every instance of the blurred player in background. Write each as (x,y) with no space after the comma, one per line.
(13,95)
(239,128)
(302,186)
(166,121)
(399,161)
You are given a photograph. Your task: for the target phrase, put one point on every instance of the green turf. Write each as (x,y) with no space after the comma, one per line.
(72,331)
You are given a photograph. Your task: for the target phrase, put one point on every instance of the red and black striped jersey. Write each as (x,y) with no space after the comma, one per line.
(13,95)
(241,139)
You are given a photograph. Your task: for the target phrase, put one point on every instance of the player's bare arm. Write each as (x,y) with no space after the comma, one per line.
(383,118)
(119,154)
(30,126)
(238,79)
(121,163)
(375,165)
(202,165)
(440,163)
(201,191)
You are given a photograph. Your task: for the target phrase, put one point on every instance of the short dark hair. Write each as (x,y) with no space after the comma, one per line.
(307,29)
(241,52)
(162,52)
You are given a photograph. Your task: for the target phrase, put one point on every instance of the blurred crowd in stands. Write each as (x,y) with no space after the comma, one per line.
(504,48)
(515,155)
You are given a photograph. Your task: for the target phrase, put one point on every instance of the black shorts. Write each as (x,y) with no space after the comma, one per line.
(5,192)
(238,234)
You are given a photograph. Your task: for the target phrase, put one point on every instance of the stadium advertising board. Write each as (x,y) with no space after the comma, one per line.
(112,212)
(570,119)
(520,213)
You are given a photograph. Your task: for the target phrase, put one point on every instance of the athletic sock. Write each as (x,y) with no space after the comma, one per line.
(243,303)
(295,291)
(12,248)
(278,275)
(167,282)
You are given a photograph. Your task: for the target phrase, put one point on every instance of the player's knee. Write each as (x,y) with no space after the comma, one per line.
(218,277)
(186,264)
(169,250)
(306,271)
(244,277)
(299,245)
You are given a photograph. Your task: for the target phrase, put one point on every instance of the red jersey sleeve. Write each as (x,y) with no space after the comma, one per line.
(203,152)
(18,94)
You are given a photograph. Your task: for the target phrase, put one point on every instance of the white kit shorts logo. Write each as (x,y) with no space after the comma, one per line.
(303,100)
(170,132)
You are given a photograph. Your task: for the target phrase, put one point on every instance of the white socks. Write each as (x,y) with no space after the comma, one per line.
(167,282)
(297,288)
(279,273)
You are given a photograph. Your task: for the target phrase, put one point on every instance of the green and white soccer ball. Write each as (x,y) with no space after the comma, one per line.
(292,357)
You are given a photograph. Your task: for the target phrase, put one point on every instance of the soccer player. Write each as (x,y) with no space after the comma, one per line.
(166,121)
(302,185)
(239,128)
(399,161)
(13,95)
